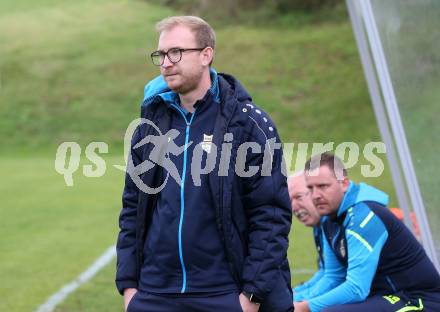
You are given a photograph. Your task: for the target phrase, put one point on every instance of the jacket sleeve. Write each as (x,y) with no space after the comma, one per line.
(366,236)
(334,274)
(268,211)
(302,291)
(126,265)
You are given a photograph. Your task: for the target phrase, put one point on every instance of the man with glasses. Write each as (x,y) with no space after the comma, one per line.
(220,244)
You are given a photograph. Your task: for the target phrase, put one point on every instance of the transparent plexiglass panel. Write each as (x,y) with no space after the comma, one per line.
(410,34)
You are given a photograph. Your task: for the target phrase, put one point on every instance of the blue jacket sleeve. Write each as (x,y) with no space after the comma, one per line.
(334,273)
(302,291)
(366,236)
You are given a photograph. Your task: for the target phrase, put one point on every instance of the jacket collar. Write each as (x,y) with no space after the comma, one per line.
(158,88)
(357,193)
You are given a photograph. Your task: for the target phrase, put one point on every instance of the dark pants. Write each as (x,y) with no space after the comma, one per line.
(145,302)
(401,301)
(279,300)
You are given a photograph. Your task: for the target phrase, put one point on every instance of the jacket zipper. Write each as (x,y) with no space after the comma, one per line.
(182,194)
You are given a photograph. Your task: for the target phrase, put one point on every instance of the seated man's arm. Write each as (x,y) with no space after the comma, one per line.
(364,243)
(302,291)
(334,274)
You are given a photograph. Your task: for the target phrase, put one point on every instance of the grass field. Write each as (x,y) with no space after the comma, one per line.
(75,72)
(50,232)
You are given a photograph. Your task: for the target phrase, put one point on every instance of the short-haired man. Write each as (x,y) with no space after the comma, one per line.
(380,264)
(304,209)
(209,240)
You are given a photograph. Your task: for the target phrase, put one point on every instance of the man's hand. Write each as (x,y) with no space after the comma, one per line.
(246,305)
(301,306)
(128,295)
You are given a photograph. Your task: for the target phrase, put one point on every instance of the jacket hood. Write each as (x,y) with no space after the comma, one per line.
(357,193)
(159,87)
(155,87)
(239,92)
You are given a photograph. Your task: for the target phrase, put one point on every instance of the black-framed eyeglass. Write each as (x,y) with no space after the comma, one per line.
(173,54)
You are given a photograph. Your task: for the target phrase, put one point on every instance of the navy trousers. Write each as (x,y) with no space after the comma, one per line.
(279,300)
(399,302)
(143,302)
(146,302)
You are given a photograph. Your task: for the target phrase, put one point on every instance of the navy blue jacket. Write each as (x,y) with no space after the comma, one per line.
(183,252)
(253,214)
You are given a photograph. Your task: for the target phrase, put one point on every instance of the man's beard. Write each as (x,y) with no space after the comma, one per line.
(188,84)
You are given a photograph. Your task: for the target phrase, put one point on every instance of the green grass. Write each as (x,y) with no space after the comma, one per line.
(75,71)
(98,295)
(50,232)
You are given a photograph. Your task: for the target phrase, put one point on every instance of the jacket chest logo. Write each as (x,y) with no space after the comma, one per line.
(207,143)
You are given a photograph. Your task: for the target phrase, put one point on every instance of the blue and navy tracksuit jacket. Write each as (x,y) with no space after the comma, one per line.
(368,251)
(186,211)
(229,233)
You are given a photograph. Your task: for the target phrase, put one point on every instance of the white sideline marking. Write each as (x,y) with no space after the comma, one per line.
(303,271)
(84,277)
(88,274)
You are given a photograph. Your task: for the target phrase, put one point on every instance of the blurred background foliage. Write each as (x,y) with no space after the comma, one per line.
(258,11)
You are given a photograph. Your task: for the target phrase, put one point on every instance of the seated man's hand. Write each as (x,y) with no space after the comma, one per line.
(301,306)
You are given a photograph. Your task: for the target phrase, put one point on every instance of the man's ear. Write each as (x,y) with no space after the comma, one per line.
(207,56)
(345,184)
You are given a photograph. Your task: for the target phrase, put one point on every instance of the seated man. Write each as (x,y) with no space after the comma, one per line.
(305,211)
(381,264)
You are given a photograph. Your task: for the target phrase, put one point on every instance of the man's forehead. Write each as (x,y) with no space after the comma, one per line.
(302,188)
(321,173)
(177,36)
(297,185)
(296,179)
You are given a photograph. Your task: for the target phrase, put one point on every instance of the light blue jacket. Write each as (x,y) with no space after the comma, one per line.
(365,236)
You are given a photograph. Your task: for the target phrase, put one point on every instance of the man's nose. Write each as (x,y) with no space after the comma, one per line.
(166,62)
(294,207)
(315,193)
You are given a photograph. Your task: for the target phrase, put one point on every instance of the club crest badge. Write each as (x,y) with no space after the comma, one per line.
(207,143)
